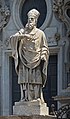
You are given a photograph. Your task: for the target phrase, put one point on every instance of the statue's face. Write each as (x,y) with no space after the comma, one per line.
(31,22)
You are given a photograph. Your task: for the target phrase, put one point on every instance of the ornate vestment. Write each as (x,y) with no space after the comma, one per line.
(31,57)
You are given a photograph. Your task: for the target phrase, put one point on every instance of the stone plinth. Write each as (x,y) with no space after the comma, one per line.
(28,117)
(35,107)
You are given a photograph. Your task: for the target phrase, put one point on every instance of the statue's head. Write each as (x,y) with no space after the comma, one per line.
(33,17)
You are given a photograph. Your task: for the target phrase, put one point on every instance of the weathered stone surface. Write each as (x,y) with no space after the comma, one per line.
(28,117)
(30,108)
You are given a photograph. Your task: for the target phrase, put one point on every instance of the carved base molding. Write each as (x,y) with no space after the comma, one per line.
(27,117)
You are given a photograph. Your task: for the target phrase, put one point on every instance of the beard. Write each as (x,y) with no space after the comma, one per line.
(31,26)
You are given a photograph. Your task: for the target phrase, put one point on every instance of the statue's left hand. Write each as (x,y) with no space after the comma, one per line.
(43,57)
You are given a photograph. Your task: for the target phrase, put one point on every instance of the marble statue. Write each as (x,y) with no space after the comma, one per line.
(30,52)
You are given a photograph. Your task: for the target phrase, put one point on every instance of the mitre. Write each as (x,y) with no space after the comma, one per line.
(35,13)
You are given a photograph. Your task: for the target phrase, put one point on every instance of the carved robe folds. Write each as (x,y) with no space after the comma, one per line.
(31,57)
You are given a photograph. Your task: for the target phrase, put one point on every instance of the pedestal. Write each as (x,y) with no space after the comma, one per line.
(35,107)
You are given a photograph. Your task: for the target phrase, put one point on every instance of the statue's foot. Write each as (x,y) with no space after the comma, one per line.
(23,99)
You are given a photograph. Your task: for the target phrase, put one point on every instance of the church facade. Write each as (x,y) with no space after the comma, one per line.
(55,22)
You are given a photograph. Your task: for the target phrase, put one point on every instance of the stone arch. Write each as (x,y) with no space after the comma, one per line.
(17,5)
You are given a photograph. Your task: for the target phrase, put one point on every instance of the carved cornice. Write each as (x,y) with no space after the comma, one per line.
(61,10)
(4,15)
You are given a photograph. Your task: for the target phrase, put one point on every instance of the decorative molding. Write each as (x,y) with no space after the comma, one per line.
(6,42)
(17,5)
(4,15)
(57,37)
(60,9)
(50,33)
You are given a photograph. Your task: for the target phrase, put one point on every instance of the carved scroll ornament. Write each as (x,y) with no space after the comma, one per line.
(61,10)
(4,16)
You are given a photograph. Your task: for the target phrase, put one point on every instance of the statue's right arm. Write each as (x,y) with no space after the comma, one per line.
(19,33)
(14,36)
(14,42)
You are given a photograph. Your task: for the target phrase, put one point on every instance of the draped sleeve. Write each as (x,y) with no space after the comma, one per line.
(44,58)
(14,41)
